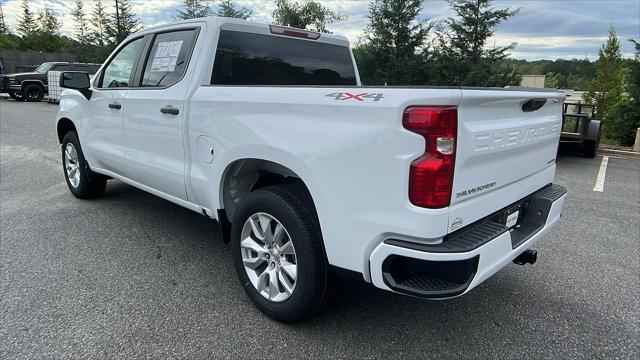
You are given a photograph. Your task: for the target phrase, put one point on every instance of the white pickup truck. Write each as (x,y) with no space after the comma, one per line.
(418,190)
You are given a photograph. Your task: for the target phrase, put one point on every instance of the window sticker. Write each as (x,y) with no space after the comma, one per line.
(166,56)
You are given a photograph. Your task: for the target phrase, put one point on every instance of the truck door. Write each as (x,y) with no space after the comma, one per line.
(154,119)
(102,124)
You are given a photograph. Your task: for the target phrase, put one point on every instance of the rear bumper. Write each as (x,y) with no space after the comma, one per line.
(467,257)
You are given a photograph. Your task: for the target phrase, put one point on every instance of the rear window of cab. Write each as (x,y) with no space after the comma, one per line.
(256,59)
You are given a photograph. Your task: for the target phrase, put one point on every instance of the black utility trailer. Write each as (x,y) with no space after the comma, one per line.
(579,126)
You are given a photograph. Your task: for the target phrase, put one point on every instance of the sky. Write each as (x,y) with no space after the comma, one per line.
(543,29)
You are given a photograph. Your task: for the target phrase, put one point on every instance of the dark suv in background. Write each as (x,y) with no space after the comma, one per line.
(32,86)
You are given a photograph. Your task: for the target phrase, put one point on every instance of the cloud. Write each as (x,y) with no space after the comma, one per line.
(545,29)
(542,29)
(12,10)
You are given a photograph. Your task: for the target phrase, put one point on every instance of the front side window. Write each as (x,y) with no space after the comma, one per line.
(118,72)
(257,59)
(167,60)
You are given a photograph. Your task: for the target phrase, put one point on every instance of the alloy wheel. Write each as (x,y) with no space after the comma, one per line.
(71,165)
(269,257)
(34,93)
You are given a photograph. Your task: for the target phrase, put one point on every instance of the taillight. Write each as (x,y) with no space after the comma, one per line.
(431,175)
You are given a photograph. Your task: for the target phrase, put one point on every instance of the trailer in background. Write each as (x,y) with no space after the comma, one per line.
(579,126)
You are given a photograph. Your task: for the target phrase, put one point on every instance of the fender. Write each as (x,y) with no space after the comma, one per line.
(70,109)
(71,103)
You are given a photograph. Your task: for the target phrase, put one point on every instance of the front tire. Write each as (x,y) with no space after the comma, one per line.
(82,182)
(278,253)
(33,93)
(17,96)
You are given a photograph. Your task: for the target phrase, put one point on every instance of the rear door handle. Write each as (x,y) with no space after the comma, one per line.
(169,110)
(115,105)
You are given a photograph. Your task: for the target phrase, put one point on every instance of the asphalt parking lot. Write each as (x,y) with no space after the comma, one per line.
(131,275)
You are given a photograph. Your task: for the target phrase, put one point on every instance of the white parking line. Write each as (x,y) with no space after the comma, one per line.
(601,175)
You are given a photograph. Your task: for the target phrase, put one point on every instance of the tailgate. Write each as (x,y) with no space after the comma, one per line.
(500,145)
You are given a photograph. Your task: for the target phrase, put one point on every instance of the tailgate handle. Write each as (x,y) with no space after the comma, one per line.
(533,104)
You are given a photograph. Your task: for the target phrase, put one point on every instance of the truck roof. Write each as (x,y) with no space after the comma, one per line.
(242,25)
(69,62)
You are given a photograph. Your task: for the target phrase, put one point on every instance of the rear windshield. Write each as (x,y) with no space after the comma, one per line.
(256,59)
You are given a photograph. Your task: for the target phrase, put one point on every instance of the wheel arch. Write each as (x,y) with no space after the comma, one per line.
(63,126)
(242,176)
(25,83)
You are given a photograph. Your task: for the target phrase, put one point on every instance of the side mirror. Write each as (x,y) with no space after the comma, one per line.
(77,80)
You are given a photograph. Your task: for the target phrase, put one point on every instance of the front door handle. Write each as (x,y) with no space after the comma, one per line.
(115,105)
(169,110)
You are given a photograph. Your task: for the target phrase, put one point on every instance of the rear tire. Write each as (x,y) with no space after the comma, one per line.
(33,93)
(283,206)
(82,182)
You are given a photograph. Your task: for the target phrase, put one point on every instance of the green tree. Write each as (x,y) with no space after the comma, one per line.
(194,9)
(26,24)
(45,37)
(99,23)
(310,15)
(394,42)
(553,80)
(228,9)
(4,29)
(10,41)
(123,22)
(44,33)
(624,117)
(7,39)
(606,89)
(622,122)
(47,22)
(464,57)
(634,76)
(80,25)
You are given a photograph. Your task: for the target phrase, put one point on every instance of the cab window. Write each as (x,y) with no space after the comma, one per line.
(256,59)
(60,67)
(168,58)
(118,72)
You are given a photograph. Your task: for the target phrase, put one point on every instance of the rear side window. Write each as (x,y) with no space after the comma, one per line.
(90,68)
(79,67)
(168,58)
(256,59)
(61,67)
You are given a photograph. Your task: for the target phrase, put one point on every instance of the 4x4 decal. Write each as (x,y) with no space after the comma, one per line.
(358,97)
